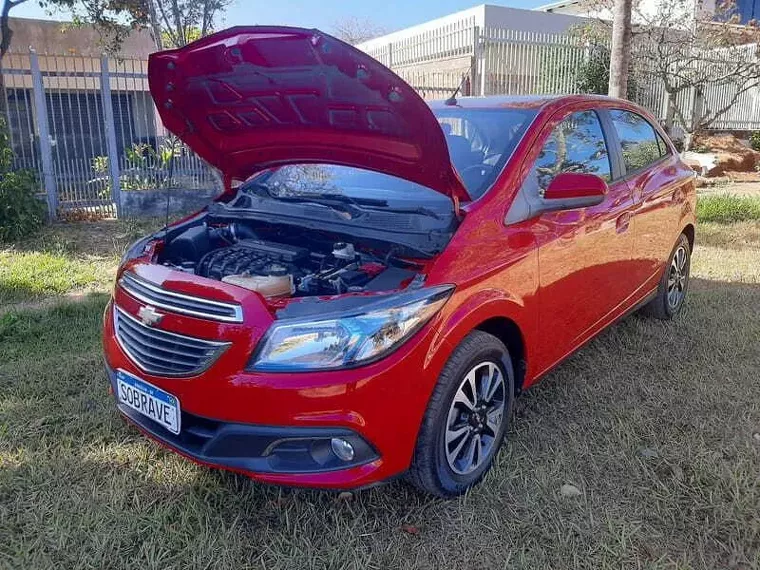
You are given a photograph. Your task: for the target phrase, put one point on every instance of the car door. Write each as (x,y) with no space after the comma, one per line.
(658,182)
(584,252)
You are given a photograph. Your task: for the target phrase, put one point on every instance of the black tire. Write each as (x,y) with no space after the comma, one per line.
(431,471)
(662,305)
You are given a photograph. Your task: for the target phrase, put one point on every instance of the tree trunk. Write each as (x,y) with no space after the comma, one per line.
(155,25)
(6,34)
(620,54)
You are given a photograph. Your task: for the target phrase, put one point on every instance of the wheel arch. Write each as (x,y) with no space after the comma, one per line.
(508,332)
(688,231)
(497,313)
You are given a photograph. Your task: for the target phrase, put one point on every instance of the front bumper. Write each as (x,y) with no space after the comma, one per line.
(276,427)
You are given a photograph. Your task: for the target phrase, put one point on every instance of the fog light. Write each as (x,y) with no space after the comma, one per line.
(342,449)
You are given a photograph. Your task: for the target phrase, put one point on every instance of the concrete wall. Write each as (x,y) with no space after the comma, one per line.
(482,16)
(152,203)
(477,14)
(64,38)
(529,20)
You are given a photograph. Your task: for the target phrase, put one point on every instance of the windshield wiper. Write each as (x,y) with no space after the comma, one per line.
(332,199)
(376,204)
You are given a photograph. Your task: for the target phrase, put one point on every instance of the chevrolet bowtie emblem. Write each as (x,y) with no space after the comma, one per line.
(149,316)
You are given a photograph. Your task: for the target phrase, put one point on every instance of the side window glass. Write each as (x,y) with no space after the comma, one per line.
(576,145)
(638,140)
(664,149)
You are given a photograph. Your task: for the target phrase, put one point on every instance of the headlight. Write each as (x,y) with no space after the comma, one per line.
(350,340)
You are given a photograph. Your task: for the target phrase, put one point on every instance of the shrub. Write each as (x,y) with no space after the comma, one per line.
(754,140)
(21,213)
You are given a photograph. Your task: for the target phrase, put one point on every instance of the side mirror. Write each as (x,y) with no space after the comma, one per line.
(570,190)
(567,191)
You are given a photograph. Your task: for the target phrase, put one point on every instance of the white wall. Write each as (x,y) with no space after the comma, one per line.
(484,15)
(477,13)
(528,20)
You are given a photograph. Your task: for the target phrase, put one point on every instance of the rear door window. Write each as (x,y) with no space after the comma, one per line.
(640,143)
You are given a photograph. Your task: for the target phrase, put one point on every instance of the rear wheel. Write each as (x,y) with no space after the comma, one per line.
(466,419)
(671,292)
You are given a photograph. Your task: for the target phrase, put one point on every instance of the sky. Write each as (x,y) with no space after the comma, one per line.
(388,14)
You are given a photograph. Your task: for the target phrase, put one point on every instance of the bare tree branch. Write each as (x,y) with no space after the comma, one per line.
(354,31)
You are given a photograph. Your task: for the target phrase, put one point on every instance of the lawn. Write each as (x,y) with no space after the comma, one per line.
(657,424)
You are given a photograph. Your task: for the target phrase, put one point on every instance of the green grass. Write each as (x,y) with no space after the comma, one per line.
(25,275)
(727,208)
(654,422)
(65,259)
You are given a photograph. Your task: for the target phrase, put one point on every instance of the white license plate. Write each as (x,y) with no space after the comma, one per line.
(152,402)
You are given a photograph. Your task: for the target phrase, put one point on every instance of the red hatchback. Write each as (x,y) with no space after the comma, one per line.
(381,277)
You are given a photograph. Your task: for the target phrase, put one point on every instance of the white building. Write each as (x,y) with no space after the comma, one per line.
(482,16)
(644,11)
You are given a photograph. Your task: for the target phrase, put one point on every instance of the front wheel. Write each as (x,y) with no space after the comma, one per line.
(466,419)
(671,292)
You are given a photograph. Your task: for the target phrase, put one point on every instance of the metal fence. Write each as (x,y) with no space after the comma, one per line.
(89,128)
(501,61)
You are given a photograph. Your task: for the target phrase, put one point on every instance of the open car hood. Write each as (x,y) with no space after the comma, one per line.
(250,98)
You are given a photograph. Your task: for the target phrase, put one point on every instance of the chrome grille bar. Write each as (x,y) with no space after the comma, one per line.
(174,302)
(164,353)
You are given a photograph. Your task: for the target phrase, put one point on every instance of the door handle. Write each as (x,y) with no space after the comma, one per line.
(622,222)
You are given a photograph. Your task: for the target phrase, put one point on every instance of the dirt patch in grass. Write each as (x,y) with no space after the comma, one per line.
(731,154)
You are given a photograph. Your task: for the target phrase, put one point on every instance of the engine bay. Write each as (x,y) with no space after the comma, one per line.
(281,264)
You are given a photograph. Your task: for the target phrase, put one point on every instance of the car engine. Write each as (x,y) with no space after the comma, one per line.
(234,254)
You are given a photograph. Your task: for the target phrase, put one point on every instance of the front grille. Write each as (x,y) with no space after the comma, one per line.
(152,294)
(163,353)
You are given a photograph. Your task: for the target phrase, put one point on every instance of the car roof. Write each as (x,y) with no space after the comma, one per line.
(524,101)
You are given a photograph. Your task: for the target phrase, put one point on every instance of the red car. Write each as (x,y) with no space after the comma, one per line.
(381,277)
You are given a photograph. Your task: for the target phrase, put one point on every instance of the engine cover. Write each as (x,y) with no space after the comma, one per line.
(252,257)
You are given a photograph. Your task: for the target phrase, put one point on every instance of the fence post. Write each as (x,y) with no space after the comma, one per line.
(46,149)
(110,129)
(479,62)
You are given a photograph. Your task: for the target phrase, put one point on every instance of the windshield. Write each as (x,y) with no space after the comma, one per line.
(481,141)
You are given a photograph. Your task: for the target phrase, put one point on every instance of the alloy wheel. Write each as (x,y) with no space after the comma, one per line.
(475,418)
(678,277)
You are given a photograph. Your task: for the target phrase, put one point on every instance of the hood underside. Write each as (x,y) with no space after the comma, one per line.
(251,98)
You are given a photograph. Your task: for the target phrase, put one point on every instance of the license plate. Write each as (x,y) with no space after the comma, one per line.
(146,399)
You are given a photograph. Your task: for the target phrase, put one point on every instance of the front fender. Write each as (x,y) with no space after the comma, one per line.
(475,309)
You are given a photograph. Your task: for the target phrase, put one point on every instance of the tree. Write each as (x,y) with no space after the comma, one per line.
(354,31)
(6,35)
(704,62)
(620,53)
(172,23)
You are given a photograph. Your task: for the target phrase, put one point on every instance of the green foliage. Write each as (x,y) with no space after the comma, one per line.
(148,168)
(754,140)
(728,208)
(21,213)
(100,164)
(591,72)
